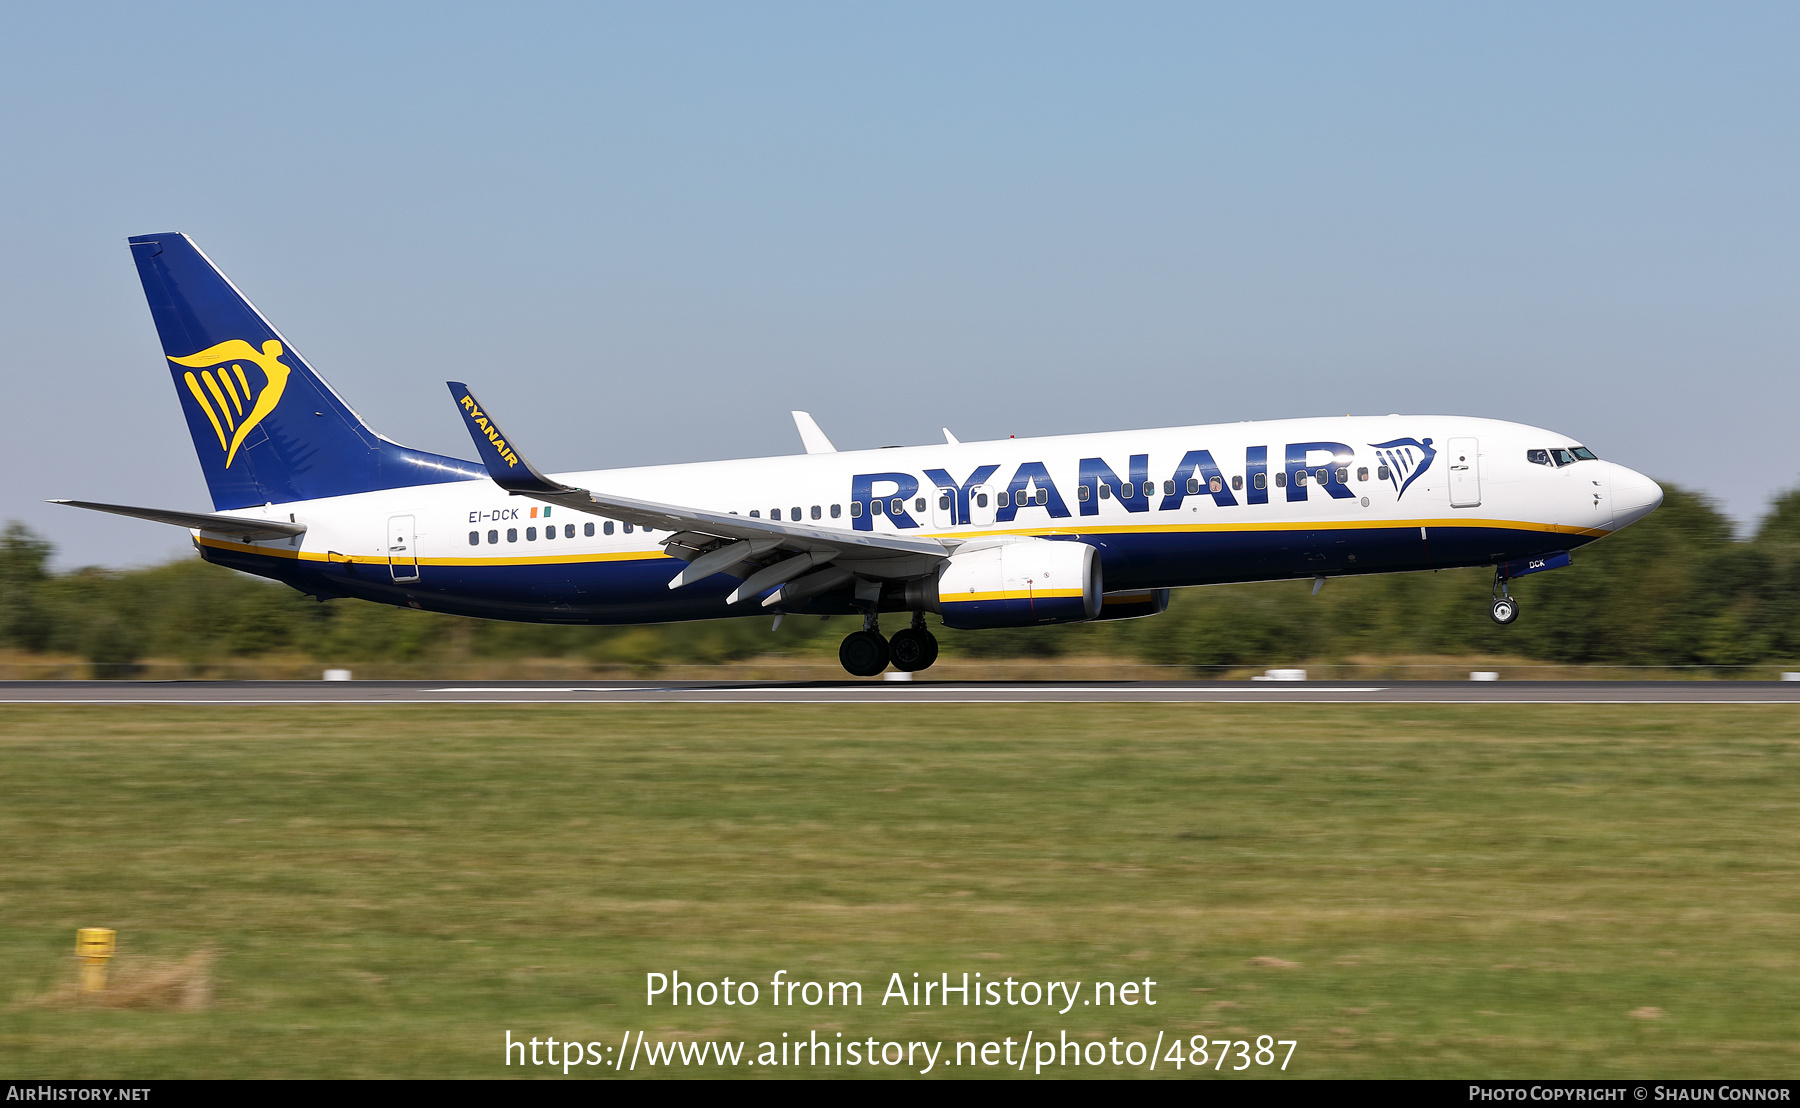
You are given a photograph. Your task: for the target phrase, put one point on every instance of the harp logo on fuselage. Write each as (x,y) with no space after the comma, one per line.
(1406,459)
(234,400)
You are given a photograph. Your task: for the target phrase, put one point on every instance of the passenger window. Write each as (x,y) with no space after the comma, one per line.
(569,530)
(1362,473)
(944,500)
(756,513)
(493,536)
(1384,473)
(1299,478)
(1168,488)
(856,509)
(1105,491)
(796,516)
(1193,486)
(1261,481)
(587,530)
(981,500)
(474,538)
(897,507)
(1237,481)
(1043,496)
(1216,484)
(1324,476)
(775,513)
(1538,457)
(1343,475)
(875,507)
(919,504)
(1081,493)
(609,526)
(512,534)
(836,510)
(1002,498)
(816,513)
(1280,480)
(531,534)
(628,528)
(550,531)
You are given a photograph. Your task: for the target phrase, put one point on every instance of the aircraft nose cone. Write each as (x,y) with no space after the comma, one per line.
(1634,496)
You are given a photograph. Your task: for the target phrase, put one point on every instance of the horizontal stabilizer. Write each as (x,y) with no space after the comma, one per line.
(201,521)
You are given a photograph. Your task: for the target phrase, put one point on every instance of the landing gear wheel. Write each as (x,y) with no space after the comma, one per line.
(1505,610)
(864,653)
(913,649)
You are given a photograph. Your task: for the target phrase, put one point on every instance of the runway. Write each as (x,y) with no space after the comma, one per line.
(224,693)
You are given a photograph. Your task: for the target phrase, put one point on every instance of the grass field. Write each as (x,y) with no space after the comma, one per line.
(1407,891)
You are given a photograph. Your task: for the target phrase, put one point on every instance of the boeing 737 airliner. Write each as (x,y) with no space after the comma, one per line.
(1012,533)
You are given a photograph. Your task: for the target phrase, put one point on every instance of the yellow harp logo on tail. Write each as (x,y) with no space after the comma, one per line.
(228,396)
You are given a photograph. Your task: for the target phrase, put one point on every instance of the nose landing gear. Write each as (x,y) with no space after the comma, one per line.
(1504,609)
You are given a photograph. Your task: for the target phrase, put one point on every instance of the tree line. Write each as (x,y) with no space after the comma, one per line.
(1675,589)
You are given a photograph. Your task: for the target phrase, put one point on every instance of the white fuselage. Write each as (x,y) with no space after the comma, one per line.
(1399,493)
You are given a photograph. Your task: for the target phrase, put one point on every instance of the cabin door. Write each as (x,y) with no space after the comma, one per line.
(982,507)
(1465,474)
(943,510)
(402,555)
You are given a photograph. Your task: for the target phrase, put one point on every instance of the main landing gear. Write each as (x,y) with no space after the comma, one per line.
(865,653)
(1505,609)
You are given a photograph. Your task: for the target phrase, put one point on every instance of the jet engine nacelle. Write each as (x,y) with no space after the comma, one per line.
(1020,584)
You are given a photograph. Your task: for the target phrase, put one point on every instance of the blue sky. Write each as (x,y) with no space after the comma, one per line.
(645,233)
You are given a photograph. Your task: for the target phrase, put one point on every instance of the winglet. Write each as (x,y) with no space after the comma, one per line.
(951,440)
(810,436)
(505,464)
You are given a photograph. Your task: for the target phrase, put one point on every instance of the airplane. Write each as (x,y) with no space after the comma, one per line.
(1017,532)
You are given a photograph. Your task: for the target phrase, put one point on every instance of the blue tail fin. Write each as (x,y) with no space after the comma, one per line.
(267,428)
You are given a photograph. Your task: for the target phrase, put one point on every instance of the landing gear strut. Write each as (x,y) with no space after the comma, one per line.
(915,648)
(1505,609)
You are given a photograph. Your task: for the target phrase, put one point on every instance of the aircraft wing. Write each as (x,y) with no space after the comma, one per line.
(700,536)
(203,521)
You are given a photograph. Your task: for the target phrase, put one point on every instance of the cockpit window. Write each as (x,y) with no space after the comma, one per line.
(1563,457)
(1584,454)
(1538,457)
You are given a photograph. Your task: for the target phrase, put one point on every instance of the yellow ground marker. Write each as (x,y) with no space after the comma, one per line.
(94,945)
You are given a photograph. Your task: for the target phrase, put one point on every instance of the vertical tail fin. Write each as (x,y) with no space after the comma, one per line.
(266,427)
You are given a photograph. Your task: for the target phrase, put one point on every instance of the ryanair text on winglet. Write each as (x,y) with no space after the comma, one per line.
(480,419)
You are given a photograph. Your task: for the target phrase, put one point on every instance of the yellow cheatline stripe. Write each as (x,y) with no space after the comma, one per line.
(242,380)
(1188,528)
(1009,594)
(212,386)
(194,387)
(381,560)
(231,388)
